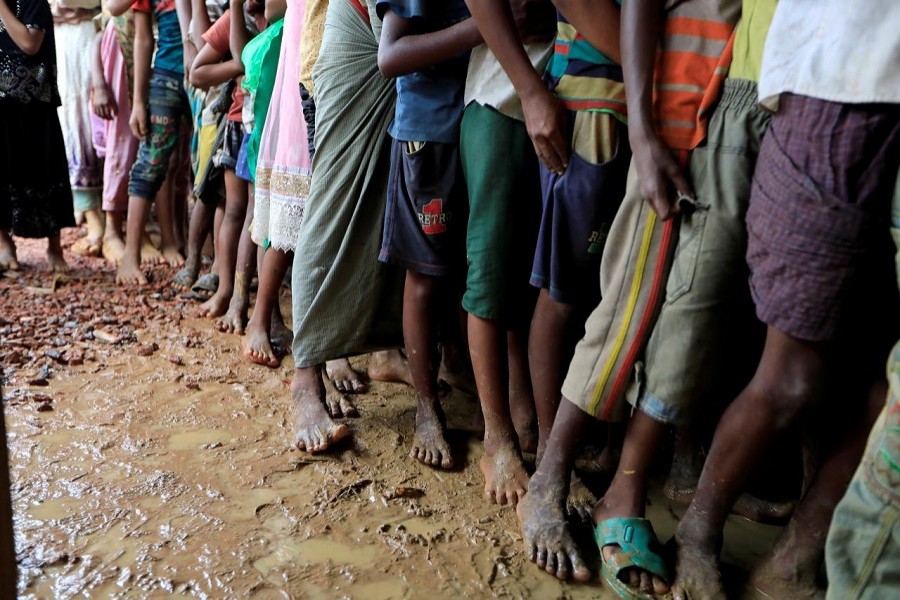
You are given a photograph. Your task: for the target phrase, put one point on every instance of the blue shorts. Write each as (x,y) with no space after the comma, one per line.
(425,216)
(167,106)
(579,208)
(242,169)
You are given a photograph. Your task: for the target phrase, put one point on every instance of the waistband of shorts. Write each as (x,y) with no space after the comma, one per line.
(739,93)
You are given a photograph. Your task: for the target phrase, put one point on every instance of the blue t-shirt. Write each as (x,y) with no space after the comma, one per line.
(169,49)
(430,102)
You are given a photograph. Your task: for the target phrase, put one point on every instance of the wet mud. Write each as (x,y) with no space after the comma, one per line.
(150,459)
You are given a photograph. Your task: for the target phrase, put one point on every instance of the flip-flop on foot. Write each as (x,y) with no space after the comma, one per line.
(184,279)
(639,548)
(204,288)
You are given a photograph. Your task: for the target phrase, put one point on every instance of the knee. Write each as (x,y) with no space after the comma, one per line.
(787,396)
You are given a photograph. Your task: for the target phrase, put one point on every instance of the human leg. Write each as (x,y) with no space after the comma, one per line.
(256,344)
(235,317)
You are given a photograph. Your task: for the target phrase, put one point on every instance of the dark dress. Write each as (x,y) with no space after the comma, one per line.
(35,195)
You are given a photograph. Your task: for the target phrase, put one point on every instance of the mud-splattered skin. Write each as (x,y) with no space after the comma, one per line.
(171,470)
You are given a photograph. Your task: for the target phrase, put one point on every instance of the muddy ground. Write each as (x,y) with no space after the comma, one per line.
(150,459)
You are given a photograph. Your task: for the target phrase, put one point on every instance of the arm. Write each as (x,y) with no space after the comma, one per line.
(545,117)
(118,7)
(28,40)
(200,23)
(656,167)
(143,53)
(184,9)
(597,21)
(239,36)
(209,69)
(102,102)
(400,52)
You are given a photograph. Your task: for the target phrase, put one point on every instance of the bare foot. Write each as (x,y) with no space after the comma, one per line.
(56,262)
(113,249)
(580,501)
(87,247)
(696,564)
(430,447)
(256,346)
(149,254)
(389,366)
(637,579)
(505,478)
(338,405)
(173,257)
(314,431)
(345,377)
(233,321)
(748,506)
(215,306)
(545,531)
(8,259)
(129,273)
(280,335)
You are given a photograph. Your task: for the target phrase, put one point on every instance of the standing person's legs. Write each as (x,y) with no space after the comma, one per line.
(167,104)
(256,344)
(817,229)
(502,179)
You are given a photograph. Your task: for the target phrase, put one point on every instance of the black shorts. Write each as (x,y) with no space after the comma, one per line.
(425,217)
(227,154)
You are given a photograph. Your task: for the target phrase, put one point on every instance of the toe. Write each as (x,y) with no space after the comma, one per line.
(659,586)
(541,557)
(646,584)
(550,566)
(530,552)
(562,566)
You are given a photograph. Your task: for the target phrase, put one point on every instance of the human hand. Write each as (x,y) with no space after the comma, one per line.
(102,102)
(190,53)
(545,120)
(660,176)
(138,120)
(535,20)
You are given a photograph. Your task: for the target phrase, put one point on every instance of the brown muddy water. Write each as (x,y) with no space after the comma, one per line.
(149,459)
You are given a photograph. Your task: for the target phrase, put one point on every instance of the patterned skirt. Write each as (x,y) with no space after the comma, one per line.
(35,194)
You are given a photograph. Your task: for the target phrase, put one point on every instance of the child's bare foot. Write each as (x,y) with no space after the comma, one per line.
(430,447)
(149,254)
(505,478)
(129,273)
(338,405)
(215,306)
(256,346)
(696,562)
(545,530)
(113,249)
(580,501)
(8,259)
(389,366)
(172,256)
(87,247)
(345,377)
(314,431)
(55,260)
(782,572)
(233,321)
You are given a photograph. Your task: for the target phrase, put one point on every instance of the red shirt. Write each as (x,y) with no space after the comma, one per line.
(217,36)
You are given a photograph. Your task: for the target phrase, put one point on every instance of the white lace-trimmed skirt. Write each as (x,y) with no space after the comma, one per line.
(283,167)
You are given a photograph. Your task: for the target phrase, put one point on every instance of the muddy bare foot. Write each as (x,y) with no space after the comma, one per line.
(280,335)
(56,263)
(389,366)
(113,249)
(314,431)
(545,531)
(580,501)
(8,259)
(430,447)
(696,565)
(129,273)
(87,247)
(748,506)
(215,306)
(256,346)
(149,254)
(233,321)
(338,405)
(505,478)
(345,377)
(172,256)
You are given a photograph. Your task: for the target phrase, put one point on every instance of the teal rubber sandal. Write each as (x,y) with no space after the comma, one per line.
(639,549)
